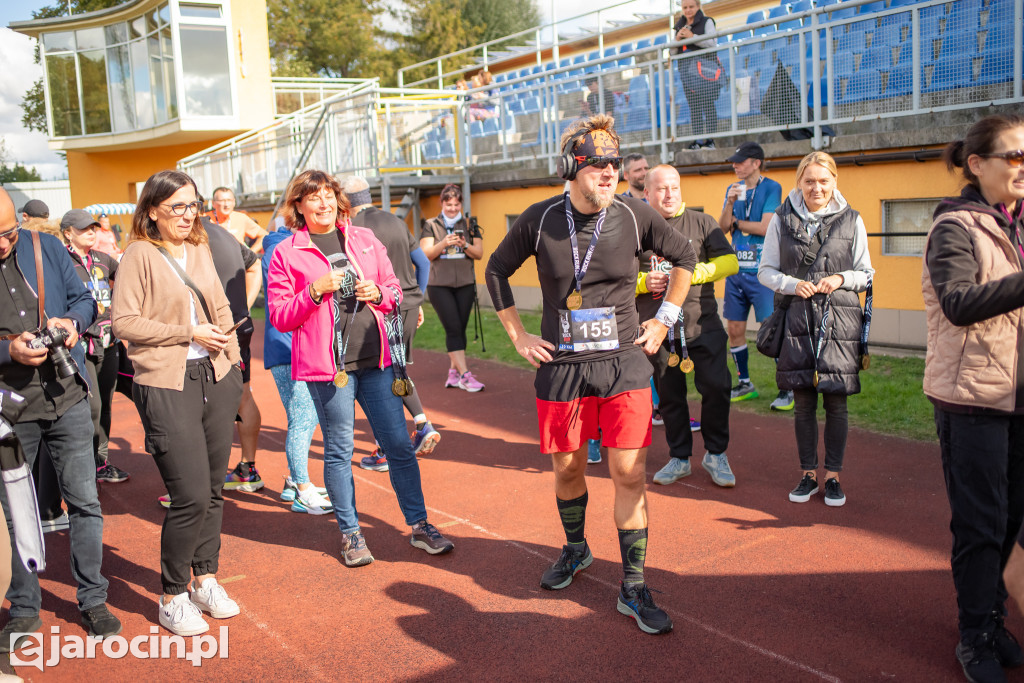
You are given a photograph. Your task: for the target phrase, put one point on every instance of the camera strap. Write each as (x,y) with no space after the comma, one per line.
(188,283)
(40,289)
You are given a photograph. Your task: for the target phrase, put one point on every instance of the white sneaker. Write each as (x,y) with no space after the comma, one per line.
(718,467)
(674,470)
(181,617)
(211,597)
(311,502)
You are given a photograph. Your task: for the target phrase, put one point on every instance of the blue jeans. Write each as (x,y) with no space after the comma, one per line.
(298,406)
(337,412)
(69,441)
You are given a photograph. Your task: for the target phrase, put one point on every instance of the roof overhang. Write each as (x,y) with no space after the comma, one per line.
(101,17)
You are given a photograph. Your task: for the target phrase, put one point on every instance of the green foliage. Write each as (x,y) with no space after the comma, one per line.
(33,108)
(497,18)
(59,8)
(17,172)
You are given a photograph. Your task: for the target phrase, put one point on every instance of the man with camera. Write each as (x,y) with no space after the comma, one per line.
(36,333)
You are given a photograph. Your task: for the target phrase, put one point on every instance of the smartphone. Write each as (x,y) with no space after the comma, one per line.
(236,326)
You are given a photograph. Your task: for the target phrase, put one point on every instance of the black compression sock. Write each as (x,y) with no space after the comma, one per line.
(633,547)
(574,517)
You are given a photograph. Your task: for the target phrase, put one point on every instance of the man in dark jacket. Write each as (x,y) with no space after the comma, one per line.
(57,415)
(698,344)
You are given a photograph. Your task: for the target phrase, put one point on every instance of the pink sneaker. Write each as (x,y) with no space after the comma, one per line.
(470,383)
(453,379)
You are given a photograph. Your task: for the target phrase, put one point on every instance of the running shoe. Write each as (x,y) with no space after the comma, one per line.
(100,623)
(211,597)
(1007,648)
(593,451)
(569,564)
(834,496)
(311,502)
(656,419)
(784,401)
(425,536)
(807,487)
(58,523)
(375,462)
(470,383)
(718,467)
(694,425)
(453,379)
(979,659)
(425,439)
(111,474)
(165,501)
(243,478)
(743,391)
(291,489)
(181,617)
(636,601)
(354,552)
(674,470)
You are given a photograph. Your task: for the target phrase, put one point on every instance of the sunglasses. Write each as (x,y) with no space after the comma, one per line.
(1014,158)
(600,162)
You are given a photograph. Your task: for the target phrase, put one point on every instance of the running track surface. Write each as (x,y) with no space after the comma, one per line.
(759,588)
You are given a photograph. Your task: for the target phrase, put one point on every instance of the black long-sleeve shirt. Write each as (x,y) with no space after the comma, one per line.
(542,231)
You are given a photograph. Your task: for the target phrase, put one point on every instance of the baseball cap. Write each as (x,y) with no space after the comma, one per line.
(36,209)
(77,219)
(748,150)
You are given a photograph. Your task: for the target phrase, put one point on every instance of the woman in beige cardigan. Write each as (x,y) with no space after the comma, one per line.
(185,355)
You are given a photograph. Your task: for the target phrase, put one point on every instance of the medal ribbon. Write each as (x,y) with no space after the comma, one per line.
(393,325)
(866,325)
(683,353)
(341,344)
(826,317)
(580,271)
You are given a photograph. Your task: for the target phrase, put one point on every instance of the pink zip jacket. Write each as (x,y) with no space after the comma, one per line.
(296,264)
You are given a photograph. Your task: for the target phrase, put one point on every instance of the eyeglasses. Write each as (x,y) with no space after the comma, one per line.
(600,162)
(180,209)
(1015,158)
(9,234)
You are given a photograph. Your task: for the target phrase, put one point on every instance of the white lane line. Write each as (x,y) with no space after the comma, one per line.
(693,621)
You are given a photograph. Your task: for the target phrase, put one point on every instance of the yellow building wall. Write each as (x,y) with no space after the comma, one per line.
(252,62)
(897,278)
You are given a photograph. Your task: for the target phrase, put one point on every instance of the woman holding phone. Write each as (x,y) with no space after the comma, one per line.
(171,312)
(452,244)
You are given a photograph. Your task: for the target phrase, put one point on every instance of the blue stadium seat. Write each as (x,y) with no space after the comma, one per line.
(755,17)
(643,43)
(998,36)
(764,30)
(842,64)
(742,35)
(660,40)
(1000,12)
(822,44)
(531,105)
(431,150)
(871,7)
(776,12)
(826,3)
(962,22)
(447,149)
(491,125)
(898,19)
(515,107)
(954,71)
(888,35)
(774,45)
(758,61)
(476,129)
(789,55)
(801,6)
(863,85)
(997,67)
(865,26)
(852,42)
(902,3)
(933,11)
(842,13)
(954,43)
(966,7)
(791,25)
(901,81)
(876,58)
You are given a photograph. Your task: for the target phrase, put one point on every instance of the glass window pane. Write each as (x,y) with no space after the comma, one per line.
(151,23)
(116,33)
(137,27)
(200,11)
(90,38)
(59,42)
(140,83)
(156,77)
(905,223)
(64,107)
(93,66)
(167,46)
(204,65)
(164,15)
(119,80)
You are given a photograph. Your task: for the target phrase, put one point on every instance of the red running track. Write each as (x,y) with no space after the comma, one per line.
(759,588)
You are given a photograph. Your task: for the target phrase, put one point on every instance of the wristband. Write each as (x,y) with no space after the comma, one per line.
(668,314)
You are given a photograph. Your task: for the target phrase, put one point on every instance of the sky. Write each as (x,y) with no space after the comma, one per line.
(19,72)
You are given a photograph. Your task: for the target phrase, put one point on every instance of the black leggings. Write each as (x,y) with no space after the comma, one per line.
(703,115)
(805,421)
(453,306)
(102,379)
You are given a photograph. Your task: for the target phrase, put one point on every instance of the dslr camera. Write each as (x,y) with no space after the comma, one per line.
(53,339)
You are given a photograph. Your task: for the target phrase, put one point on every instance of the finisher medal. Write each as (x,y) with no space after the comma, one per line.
(574,301)
(409,387)
(341,379)
(865,361)
(686,365)
(673,360)
(398,388)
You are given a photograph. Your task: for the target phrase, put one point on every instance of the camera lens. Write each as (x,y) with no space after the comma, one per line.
(63,362)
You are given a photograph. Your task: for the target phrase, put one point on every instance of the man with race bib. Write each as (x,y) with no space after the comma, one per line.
(593,373)
(749,205)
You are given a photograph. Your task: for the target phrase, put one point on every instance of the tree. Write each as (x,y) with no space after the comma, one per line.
(17,172)
(497,18)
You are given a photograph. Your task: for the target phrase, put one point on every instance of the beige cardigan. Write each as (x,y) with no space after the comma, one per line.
(151,314)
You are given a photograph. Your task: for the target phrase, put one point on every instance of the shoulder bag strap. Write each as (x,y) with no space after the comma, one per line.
(188,281)
(808,260)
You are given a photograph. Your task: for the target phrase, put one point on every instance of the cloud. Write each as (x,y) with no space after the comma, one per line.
(18,74)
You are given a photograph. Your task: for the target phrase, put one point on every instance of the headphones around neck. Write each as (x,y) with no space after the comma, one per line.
(566,166)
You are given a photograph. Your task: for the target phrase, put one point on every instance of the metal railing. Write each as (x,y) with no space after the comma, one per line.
(292,94)
(823,72)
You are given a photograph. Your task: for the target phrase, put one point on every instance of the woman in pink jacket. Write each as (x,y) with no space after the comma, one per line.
(331,284)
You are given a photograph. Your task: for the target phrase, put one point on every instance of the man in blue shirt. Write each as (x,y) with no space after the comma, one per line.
(749,205)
